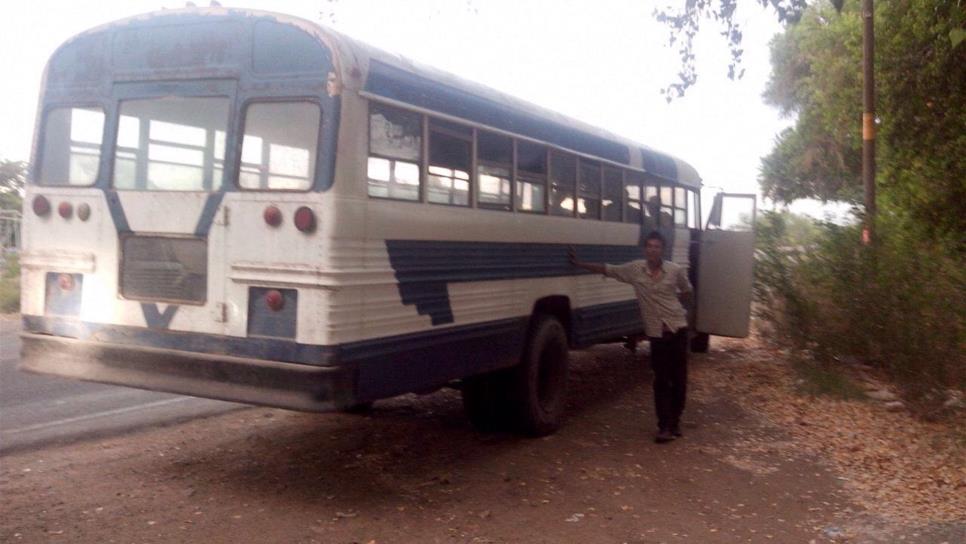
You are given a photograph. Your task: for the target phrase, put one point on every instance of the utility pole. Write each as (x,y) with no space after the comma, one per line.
(868,122)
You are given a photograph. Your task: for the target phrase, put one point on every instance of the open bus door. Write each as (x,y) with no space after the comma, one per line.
(726,267)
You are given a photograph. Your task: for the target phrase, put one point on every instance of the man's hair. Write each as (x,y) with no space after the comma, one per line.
(655,235)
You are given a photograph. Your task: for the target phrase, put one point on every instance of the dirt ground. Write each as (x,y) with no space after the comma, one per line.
(414,470)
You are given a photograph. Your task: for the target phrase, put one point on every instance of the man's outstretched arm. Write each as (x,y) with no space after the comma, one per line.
(596,268)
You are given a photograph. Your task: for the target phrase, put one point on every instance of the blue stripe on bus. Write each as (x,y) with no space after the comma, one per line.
(212,203)
(425,268)
(398,84)
(117,211)
(155,318)
(607,322)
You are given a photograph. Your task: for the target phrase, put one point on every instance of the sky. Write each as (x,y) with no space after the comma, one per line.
(603,62)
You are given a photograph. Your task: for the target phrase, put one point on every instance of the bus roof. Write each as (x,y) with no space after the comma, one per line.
(384,75)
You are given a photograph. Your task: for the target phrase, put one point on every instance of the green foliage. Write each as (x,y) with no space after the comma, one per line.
(922,138)
(10,285)
(920,74)
(896,305)
(13,175)
(816,77)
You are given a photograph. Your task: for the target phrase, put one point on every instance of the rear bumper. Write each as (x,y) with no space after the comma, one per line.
(255,381)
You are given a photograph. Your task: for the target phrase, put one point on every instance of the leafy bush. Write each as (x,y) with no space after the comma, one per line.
(897,304)
(10,285)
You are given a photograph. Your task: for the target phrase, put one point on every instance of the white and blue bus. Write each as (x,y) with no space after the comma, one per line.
(245,206)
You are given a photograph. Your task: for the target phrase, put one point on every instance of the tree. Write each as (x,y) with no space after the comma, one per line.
(685,23)
(920,74)
(13,175)
(816,78)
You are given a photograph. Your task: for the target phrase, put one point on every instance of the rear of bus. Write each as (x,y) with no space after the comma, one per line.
(176,217)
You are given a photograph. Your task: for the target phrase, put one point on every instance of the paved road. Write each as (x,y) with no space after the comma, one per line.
(38,410)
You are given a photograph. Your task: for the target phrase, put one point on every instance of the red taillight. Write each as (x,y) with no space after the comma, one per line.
(84,212)
(41,205)
(274,300)
(305,219)
(66,282)
(272,216)
(65,210)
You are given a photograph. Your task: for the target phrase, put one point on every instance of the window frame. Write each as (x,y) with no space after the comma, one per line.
(680,190)
(599,167)
(421,163)
(620,193)
(518,176)
(428,130)
(240,140)
(641,201)
(229,140)
(42,143)
(543,180)
(550,181)
(692,197)
(478,162)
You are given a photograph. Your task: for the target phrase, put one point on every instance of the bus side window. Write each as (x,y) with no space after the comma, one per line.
(395,151)
(563,183)
(666,215)
(494,158)
(694,221)
(450,158)
(652,205)
(531,177)
(588,202)
(680,208)
(612,191)
(633,182)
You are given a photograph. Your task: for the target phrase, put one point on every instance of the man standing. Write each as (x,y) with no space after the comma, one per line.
(663,292)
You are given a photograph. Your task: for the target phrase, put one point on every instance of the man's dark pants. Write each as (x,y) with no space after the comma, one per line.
(669,359)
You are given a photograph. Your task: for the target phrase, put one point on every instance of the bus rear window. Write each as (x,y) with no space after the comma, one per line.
(279,148)
(171,144)
(72,146)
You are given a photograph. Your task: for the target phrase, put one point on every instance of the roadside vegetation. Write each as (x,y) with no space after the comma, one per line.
(10,285)
(12,178)
(896,304)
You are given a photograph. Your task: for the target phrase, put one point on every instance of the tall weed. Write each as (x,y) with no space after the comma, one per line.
(898,304)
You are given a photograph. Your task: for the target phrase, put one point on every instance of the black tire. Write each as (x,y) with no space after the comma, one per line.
(486,400)
(700,342)
(540,381)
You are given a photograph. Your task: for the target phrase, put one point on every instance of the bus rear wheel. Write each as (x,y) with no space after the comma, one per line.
(540,380)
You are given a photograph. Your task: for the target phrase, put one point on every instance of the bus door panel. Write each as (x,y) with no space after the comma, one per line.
(726,267)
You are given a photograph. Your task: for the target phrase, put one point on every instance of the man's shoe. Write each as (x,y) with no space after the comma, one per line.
(663,436)
(676,432)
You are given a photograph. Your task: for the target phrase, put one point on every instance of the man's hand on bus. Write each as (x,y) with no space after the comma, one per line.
(590,267)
